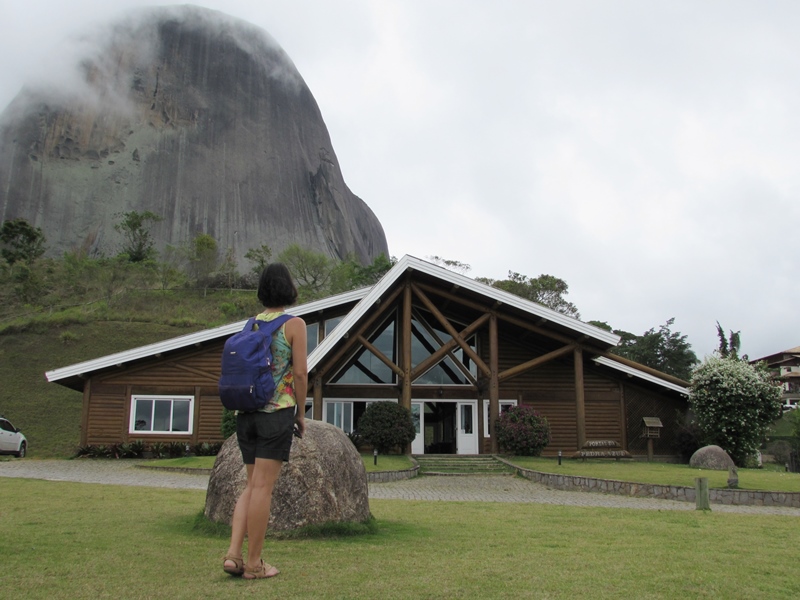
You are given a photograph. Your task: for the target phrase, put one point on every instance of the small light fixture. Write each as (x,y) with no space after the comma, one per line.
(375,456)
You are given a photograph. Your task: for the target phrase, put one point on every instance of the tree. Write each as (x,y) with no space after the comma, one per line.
(729,347)
(545,289)
(662,349)
(351,274)
(135,228)
(734,404)
(453,265)
(385,425)
(203,259)
(522,431)
(311,270)
(20,241)
(260,257)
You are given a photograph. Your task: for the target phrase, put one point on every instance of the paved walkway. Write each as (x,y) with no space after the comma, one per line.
(472,488)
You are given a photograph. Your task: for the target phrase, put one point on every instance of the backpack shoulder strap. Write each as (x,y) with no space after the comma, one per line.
(270,327)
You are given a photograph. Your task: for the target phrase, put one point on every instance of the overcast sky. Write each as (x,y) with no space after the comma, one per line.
(644,152)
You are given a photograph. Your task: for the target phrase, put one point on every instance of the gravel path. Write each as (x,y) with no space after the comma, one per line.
(472,488)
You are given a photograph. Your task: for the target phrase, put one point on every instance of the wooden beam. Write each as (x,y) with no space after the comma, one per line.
(507,318)
(381,356)
(316,409)
(536,362)
(405,350)
(494,381)
(451,330)
(353,339)
(580,398)
(448,347)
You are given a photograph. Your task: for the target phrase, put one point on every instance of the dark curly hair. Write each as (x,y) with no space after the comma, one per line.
(275,287)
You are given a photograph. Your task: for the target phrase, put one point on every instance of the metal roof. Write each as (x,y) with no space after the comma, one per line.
(191,339)
(607,362)
(410,263)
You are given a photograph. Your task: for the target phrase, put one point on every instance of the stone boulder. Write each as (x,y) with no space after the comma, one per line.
(324,481)
(711,457)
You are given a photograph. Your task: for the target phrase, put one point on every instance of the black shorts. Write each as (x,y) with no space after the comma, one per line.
(265,435)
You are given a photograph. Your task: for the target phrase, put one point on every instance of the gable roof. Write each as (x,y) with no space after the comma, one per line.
(73,376)
(462,283)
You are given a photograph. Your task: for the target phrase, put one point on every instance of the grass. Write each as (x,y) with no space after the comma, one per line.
(662,473)
(385,463)
(71,540)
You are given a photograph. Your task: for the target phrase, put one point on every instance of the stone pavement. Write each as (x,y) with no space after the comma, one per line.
(472,488)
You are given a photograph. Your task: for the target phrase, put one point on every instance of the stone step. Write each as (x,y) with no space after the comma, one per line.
(461,465)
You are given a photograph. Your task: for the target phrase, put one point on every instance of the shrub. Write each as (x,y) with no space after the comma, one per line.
(734,404)
(522,431)
(385,425)
(158,450)
(228,423)
(779,450)
(206,449)
(176,449)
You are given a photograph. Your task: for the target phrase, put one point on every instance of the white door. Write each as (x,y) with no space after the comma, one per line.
(418,416)
(467,439)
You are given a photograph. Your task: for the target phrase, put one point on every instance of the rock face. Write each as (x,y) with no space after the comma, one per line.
(324,481)
(195,116)
(711,457)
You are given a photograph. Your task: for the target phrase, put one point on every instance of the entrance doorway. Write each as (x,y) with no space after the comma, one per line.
(445,427)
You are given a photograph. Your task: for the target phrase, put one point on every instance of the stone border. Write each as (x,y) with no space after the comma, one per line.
(188,470)
(575,483)
(387,476)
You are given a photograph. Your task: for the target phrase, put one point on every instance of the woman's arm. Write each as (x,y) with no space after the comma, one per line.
(296,336)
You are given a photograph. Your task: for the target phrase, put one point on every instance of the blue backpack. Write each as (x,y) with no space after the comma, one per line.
(246,383)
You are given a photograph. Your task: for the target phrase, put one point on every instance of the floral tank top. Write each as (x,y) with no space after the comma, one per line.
(281,367)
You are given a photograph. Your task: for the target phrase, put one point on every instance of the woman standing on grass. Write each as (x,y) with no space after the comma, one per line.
(265,436)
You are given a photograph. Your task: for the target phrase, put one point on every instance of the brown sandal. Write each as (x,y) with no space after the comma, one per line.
(238,565)
(263,571)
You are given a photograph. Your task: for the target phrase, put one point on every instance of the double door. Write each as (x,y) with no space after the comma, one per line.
(465,425)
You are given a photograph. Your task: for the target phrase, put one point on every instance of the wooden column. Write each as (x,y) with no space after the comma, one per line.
(405,398)
(494,382)
(316,410)
(580,398)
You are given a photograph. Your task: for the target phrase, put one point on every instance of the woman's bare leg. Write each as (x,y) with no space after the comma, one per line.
(239,523)
(260,486)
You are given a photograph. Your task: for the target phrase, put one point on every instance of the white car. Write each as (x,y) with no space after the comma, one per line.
(11,439)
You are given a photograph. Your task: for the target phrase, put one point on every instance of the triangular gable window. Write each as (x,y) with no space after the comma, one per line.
(425,340)
(365,367)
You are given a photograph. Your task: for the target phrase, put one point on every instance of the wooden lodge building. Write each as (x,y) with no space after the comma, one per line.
(454,351)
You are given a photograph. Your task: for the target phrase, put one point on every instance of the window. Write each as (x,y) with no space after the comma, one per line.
(452,369)
(340,414)
(365,367)
(330,324)
(162,414)
(312,336)
(504,406)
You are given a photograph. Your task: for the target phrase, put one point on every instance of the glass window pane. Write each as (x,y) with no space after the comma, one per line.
(180,415)
(330,413)
(466,418)
(347,417)
(161,416)
(312,333)
(415,416)
(309,410)
(144,414)
(330,324)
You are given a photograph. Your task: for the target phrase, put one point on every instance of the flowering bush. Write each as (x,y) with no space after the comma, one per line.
(522,431)
(734,404)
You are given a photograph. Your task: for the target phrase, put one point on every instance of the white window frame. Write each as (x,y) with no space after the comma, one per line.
(132,424)
(349,401)
(486,414)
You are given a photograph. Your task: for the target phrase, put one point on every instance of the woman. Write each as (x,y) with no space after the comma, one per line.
(265,436)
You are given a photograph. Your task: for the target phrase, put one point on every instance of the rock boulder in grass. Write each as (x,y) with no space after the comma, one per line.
(324,481)
(711,457)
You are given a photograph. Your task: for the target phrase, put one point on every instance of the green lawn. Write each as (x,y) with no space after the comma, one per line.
(71,540)
(662,473)
(392,462)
